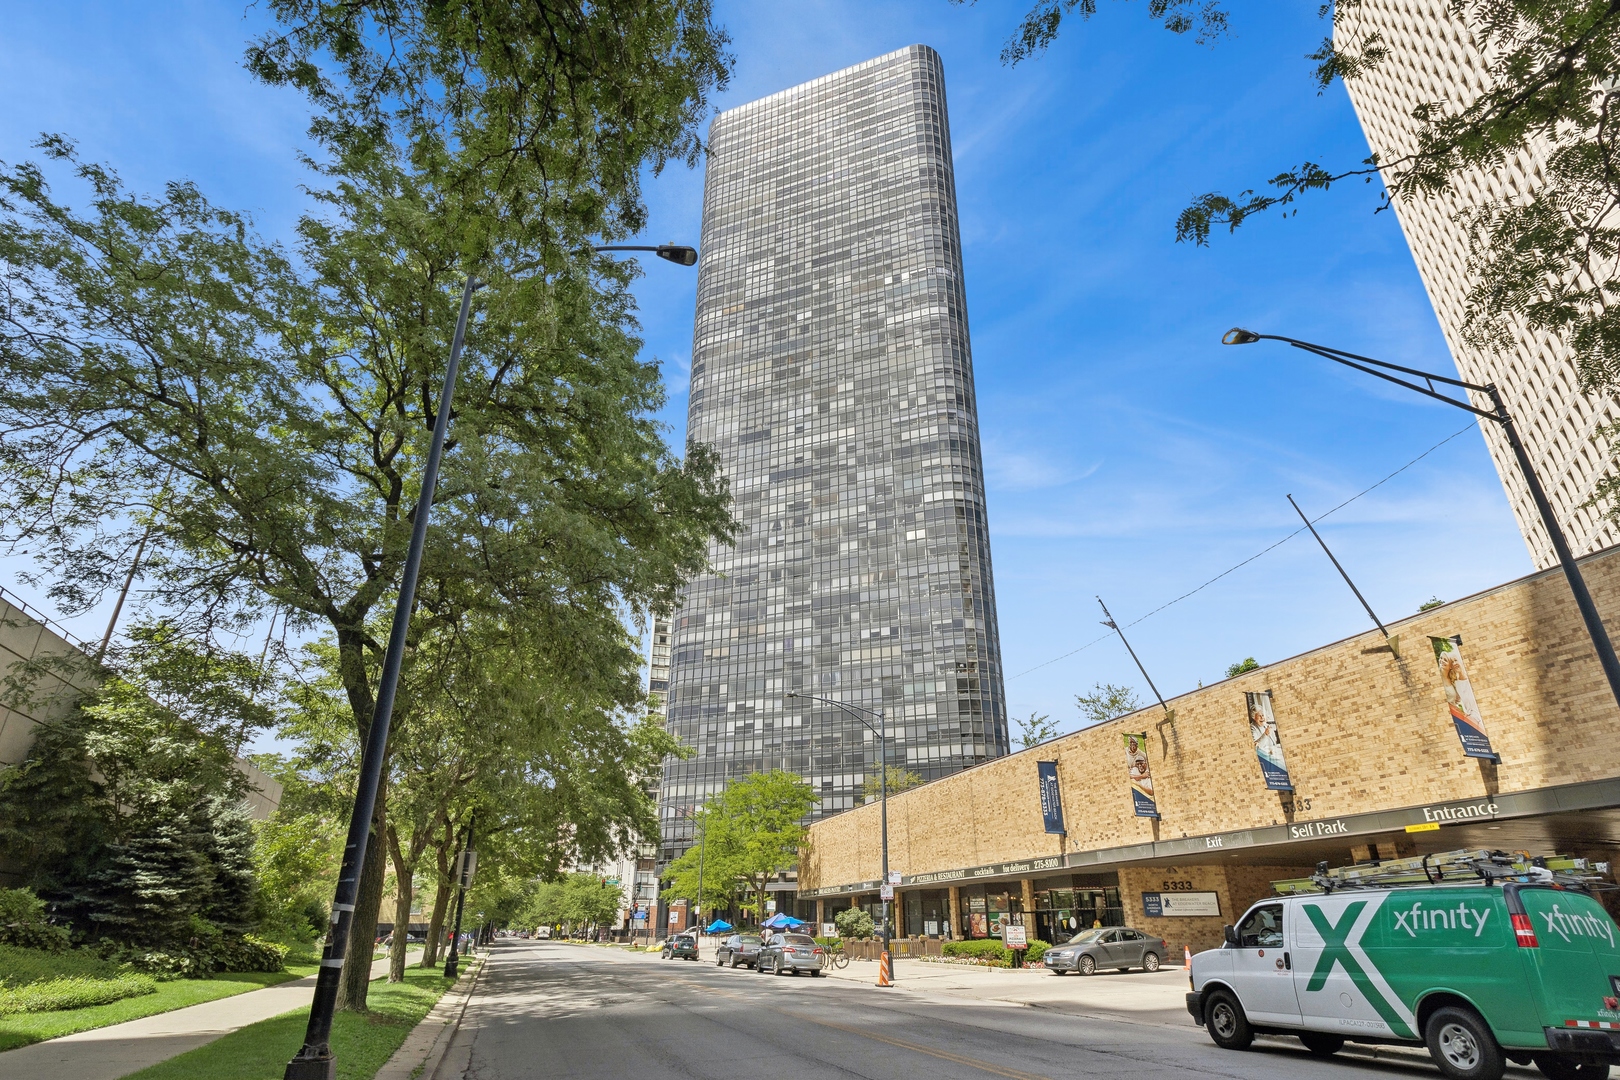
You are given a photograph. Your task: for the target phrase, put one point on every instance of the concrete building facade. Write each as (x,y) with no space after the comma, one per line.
(1434,56)
(1374,759)
(831,372)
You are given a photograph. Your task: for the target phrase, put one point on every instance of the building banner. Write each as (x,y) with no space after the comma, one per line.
(1267,746)
(1136,761)
(1460,699)
(1051,798)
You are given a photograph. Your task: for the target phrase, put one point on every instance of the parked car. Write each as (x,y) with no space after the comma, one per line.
(738,950)
(1105,947)
(786,954)
(680,947)
(1522,970)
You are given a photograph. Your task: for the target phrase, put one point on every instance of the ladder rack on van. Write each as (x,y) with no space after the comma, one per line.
(1450,866)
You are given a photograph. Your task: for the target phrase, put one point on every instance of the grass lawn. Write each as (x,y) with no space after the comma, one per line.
(25,1028)
(362,1043)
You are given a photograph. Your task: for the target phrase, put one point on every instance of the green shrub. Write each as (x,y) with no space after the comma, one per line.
(854,923)
(977,949)
(23,923)
(18,966)
(1037,949)
(829,942)
(249,953)
(73,992)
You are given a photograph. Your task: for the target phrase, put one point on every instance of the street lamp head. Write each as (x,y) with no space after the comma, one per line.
(792,693)
(678,253)
(1239,336)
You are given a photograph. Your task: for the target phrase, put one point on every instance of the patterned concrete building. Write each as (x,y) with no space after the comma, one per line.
(832,374)
(1434,57)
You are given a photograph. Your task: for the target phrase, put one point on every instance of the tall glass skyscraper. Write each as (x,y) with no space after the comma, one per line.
(831,372)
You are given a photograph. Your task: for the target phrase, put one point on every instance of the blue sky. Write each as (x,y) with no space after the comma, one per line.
(1127,452)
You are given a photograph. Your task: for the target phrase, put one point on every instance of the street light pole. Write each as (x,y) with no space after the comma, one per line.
(1498,413)
(882,732)
(315,1061)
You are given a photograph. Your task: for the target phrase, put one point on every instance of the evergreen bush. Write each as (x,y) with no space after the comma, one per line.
(854,923)
(976,949)
(23,923)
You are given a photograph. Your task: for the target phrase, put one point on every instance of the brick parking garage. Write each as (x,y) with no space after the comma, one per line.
(1376,764)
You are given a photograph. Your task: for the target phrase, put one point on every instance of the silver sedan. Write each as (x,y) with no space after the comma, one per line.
(1105,947)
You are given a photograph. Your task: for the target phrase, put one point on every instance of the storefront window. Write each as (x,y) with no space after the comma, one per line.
(928,913)
(984,907)
(1061,911)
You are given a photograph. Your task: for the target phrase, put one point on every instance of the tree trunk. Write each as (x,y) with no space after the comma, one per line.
(441,899)
(404,874)
(363,931)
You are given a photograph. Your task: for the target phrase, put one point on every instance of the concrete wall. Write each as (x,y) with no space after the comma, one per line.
(62,674)
(1361,728)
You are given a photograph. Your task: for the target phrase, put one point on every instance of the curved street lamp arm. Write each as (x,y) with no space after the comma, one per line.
(852,710)
(1360,363)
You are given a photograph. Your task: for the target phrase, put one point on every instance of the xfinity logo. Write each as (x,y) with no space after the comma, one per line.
(1564,924)
(1417,917)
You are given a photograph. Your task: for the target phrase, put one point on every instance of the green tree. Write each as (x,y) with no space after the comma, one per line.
(1430,604)
(266,412)
(1036,729)
(1105,702)
(751,831)
(128,813)
(898,779)
(1246,664)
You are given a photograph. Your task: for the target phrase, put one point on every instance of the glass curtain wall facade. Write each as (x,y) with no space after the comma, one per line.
(831,372)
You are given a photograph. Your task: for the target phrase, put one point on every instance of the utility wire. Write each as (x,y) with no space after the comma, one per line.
(1251,558)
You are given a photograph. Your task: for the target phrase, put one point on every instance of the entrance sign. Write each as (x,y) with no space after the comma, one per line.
(1157,905)
(1051,798)
(1267,746)
(1460,699)
(1141,774)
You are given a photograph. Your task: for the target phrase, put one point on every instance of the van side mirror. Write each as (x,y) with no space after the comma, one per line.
(1230,933)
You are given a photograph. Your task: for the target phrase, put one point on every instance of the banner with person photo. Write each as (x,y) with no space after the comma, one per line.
(1460,701)
(1267,744)
(1141,774)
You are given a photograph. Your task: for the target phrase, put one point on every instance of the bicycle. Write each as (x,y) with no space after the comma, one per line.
(836,956)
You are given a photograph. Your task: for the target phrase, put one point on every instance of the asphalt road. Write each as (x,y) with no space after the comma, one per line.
(568,1012)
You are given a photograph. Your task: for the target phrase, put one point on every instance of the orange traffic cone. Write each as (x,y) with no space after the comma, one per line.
(1186,964)
(884,978)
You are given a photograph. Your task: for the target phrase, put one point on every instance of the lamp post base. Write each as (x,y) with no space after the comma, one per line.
(450,967)
(321,1067)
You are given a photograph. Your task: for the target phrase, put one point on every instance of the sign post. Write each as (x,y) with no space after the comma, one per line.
(1015,939)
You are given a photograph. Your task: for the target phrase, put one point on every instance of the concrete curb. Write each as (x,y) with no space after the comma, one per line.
(418,1057)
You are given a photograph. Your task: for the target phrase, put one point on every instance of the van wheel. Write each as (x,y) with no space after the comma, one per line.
(1322,1044)
(1462,1046)
(1150,961)
(1088,965)
(1227,1025)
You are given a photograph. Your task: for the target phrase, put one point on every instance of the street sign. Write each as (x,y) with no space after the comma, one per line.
(894,877)
(1013,936)
(829,929)
(886,892)
(639,916)
(468,866)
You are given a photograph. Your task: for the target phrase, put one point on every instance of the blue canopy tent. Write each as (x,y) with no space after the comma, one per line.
(719,926)
(781,921)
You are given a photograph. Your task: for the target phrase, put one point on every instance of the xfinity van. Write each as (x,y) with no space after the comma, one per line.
(1480,973)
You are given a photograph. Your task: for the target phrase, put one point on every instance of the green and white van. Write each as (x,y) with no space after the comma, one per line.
(1479,973)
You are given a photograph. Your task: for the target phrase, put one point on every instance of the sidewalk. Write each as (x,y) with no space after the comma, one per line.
(111,1052)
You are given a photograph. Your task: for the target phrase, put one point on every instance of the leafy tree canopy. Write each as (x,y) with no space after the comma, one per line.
(1035,729)
(1105,702)
(749,832)
(898,779)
